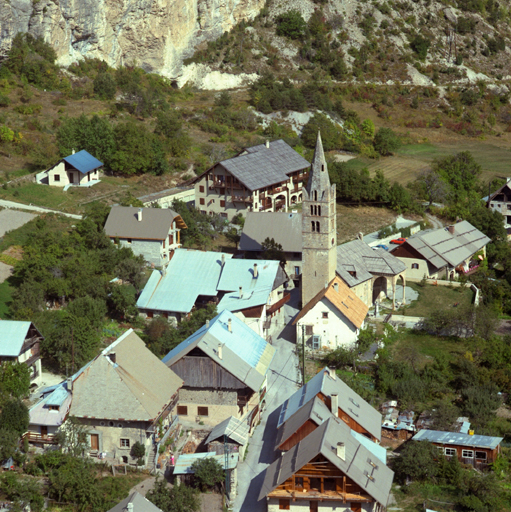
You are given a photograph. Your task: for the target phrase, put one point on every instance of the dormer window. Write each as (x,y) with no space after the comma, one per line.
(53,407)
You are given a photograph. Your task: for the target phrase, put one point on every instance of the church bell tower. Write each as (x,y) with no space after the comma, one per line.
(319,230)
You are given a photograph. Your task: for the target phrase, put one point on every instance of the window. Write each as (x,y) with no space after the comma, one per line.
(297,271)
(204,212)
(309,330)
(53,407)
(498,206)
(468,454)
(324,314)
(312,210)
(128,241)
(284,504)
(224,215)
(110,423)
(202,411)
(202,200)
(313,226)
(315,195)
(56,177)
(328,484)
(319,210)
(450,451)
(222,203)
(201,188)
(317,227)
(415,265)
(481,455)
(182,410)
(509,206)
(299,483)
(125,443)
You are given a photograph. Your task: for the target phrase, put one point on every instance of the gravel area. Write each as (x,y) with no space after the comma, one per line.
(13,219)
(5,271)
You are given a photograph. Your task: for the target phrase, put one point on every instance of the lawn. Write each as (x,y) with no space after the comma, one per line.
(5,297)
(433,297)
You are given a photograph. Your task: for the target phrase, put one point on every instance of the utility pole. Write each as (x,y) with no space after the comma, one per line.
(303,354)
(226,464)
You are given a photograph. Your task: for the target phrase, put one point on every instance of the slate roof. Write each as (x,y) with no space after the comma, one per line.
(136,387)
(318,177)
(359,463)
(356,256)
(344,300)
(349,401)
(235,430)
(83,161)
(188,275)
(260,167)
(185,461)
(440,247)
(123,222)
(284,227)
(458,439)
(139,503)
(12,337)
(40,414)
(245,354)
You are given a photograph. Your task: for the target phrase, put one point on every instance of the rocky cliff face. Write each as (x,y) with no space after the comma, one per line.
(154,34)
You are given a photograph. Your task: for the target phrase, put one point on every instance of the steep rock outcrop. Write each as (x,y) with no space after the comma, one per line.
(154,34)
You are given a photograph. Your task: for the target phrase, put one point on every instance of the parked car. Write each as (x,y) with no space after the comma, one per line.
(381,246)
(398,241)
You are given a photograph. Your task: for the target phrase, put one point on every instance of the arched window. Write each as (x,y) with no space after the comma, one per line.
(319,210)
(317,227)
(315,195)
(312,210)
(313,226)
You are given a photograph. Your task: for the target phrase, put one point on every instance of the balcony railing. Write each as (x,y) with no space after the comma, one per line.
(242,199)
(38,438)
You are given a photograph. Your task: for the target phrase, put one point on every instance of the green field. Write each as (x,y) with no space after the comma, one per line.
(409,160)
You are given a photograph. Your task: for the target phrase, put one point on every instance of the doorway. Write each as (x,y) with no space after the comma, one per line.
(94,442)
(44,431)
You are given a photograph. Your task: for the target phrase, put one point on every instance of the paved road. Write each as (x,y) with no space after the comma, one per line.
(21,206)
(282,383)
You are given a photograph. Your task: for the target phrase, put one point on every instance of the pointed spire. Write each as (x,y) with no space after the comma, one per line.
(318,177)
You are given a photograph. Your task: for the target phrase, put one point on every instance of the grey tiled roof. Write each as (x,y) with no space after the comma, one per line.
(356,256)
(234,429)
(138,502)
(359,463)
(261,166)
(458,439)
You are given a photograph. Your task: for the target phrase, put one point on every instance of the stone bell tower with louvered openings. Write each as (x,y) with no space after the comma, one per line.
(319,230)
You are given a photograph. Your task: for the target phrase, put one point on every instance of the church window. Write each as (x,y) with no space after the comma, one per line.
(313,226)
(315,195)
(317,227)
(319,210)
(312,210)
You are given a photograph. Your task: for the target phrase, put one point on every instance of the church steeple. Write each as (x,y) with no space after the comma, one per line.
(319,238)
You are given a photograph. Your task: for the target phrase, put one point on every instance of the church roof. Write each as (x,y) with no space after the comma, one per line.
(318,177)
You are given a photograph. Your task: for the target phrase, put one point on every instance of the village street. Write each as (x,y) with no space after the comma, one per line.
(283,381)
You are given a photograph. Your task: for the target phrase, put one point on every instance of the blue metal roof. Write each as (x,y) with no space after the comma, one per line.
(188,275)
(239,272)
(83,161)
(12,336)
(231,300)
(58,396)
(457,439)
(375,449)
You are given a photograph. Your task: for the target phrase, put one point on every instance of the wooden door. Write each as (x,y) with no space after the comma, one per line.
(94,441)
(313,506)
(44,430)
(356,507)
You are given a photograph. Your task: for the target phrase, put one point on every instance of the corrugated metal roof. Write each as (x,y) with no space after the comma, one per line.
(138,502)
(245,354)
(356,256)
(376,449)
(239,272)
(359,463)
(83,161)
(459,439)
(123,222)
(185,461)
(231,301)
(260,166)
(12,337)
(349,401)
(284,228)
(188,275)
(236,430)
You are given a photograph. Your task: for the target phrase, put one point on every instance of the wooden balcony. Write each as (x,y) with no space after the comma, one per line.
(320,496)
(38,438)
(217,184)
(275,307)
(242,199)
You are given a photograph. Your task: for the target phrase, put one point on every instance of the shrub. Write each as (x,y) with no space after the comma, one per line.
(104,86)
(4,100)
(291,24)
(386,141)
(208,472)
(330,135)
(138,450)
(420,46)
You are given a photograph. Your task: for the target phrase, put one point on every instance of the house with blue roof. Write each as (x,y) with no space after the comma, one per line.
(19,343)
(78,169)
(252,290)
(224,367)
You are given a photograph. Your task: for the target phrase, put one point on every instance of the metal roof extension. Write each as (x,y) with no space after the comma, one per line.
(349,401)
(12,336)
(457,439)
(83,161)
(245,354)
(236,430)
(184,462)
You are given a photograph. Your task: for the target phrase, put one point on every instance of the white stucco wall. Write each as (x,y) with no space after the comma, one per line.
(78,177)
(303,505)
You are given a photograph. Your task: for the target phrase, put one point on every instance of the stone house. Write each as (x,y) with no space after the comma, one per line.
(267,177)
(500,201)
(440,253)
(19,342)
(284,227)
(477,450)
(79,169)
(153,233)
(224,367)
(328,470)
(333,318)
(339,399)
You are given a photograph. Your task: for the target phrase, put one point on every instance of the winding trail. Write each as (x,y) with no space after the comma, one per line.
(30,207)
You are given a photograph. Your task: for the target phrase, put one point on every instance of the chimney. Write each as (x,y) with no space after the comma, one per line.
(508,179)
(336,287)
(129,508)
(223,260)
(267,144)
(256,273)
(241,292)
(69,382)
(207,324)
(332,373)
(112,357)
(341,451)
(220,347)
(451,229)
(334,404)
(139,215)
(73,151)
(360,236)
(229,325)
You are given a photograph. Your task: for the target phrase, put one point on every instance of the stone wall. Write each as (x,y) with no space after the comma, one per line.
(220,403)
